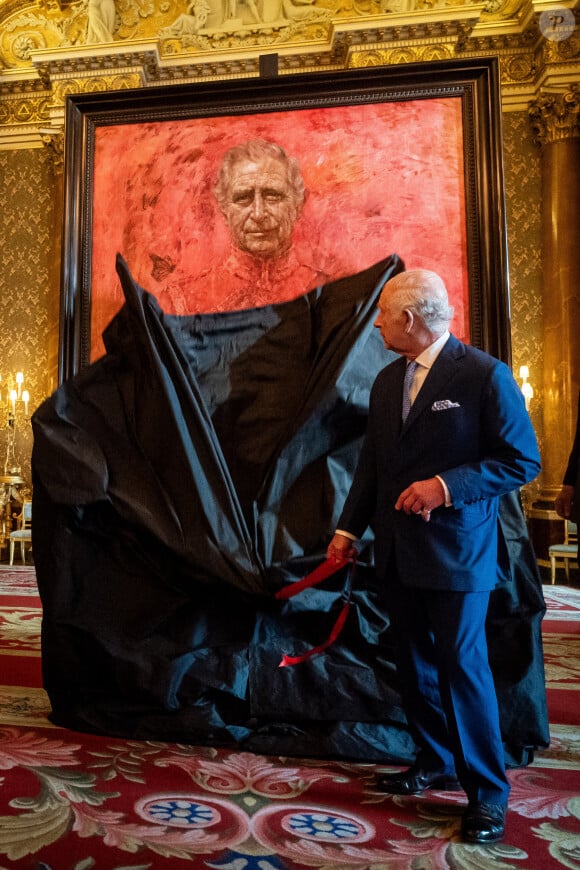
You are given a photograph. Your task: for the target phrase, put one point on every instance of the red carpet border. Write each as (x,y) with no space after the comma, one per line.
(72,801)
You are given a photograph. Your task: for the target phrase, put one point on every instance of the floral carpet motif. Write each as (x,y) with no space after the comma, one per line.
(72,801)
(16,580)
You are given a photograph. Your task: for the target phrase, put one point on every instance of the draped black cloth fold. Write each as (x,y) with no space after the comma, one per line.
(180,481)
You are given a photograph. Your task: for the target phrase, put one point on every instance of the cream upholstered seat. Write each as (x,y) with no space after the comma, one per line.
(565,552)
(23,533)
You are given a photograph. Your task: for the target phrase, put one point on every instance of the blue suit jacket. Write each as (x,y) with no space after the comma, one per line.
(469,425)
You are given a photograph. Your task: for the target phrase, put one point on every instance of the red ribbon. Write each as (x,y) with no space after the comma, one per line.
(329,567)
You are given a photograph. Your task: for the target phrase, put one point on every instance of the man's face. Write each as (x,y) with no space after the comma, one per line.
(261,210)
(393,324)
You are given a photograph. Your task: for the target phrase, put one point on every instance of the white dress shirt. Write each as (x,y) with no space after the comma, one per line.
(424,362)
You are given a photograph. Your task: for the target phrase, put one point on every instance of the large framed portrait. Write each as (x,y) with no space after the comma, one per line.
(230,195)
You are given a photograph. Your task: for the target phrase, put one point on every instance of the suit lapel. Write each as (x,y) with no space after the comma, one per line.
(441,373)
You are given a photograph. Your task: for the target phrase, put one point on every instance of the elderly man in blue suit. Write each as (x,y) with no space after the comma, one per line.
(448,433)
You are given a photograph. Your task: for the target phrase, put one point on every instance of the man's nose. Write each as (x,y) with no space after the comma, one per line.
(258,206)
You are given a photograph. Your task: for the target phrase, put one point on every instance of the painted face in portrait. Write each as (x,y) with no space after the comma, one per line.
(262,208)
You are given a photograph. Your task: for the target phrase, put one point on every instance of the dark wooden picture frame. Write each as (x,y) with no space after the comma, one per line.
(298,107)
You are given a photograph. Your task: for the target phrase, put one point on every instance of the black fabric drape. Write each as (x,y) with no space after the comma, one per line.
(180,481)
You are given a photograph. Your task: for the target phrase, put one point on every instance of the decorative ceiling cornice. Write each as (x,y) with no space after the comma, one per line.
(46,52)
(78,61)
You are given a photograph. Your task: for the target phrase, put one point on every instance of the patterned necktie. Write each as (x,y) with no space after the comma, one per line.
(409,375)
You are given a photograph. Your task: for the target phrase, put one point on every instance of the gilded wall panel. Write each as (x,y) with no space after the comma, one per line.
(522,168)
(30,233)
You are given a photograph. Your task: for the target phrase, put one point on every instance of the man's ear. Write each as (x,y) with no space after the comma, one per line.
(409,319)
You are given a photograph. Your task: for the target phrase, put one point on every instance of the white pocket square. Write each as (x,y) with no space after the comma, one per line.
(444,405)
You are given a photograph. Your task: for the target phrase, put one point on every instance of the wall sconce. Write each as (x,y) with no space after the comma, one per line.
(15,409)
(526,387)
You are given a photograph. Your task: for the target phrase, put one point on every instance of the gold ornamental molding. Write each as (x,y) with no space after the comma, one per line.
(254,26)
(20,109)
(536,58)
(53,142)
(400,54)
(81,62)
(92,84)
(517,69)
(555,117)
(328,46)
(50,49)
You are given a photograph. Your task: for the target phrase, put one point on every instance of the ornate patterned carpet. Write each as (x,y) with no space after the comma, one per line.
(71,801)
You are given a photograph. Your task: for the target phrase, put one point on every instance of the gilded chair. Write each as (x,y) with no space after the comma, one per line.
(566,552)
(23,532)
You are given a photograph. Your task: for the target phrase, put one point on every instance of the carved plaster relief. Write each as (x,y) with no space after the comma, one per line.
(186,24)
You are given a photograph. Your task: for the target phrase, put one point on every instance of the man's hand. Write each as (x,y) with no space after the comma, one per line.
(421,498)
(341,548)
(564,501)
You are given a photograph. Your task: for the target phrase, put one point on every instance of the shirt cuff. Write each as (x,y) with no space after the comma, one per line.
(348,535)
(448,500)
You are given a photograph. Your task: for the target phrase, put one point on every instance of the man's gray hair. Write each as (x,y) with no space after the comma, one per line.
(435,313)
(256,150)
(424,293)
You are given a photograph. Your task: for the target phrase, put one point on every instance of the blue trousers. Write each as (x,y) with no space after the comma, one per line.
(447,686)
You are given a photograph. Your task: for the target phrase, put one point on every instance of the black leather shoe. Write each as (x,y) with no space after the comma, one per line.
(414,781)
(483,823)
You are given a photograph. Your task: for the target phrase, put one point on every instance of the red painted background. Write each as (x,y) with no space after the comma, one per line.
(382,178)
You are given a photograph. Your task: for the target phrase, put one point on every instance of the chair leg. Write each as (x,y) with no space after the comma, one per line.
(553,568)
(12,552)
(567,569)
(23,552)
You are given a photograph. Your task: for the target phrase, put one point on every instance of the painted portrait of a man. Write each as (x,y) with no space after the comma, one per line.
(260,192)
(230,213)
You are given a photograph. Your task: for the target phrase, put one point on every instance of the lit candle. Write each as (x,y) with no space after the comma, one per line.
(13,397)
(25,399)
(19,382)
(524,373)
(528,392)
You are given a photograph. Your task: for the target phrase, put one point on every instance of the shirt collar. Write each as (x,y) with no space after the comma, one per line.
(428,356)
